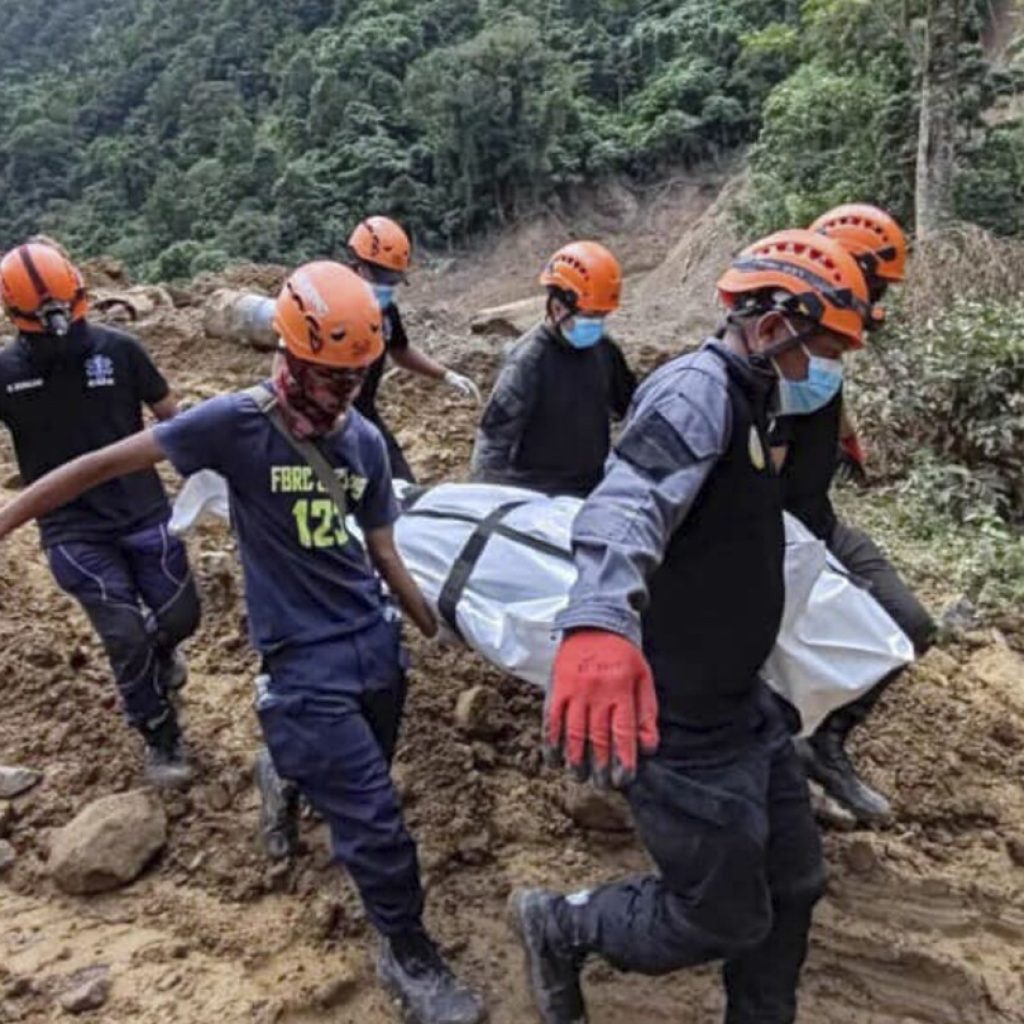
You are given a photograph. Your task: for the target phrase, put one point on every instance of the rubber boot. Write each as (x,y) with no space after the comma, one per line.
(826,761)
(412,969)
(279,809)
(166,766)
(552,965)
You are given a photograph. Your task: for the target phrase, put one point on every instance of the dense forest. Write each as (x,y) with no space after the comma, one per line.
(180,134)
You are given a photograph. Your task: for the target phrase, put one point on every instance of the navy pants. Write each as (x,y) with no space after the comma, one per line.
(727,821)
(866,562)
(140,596)
(330,718)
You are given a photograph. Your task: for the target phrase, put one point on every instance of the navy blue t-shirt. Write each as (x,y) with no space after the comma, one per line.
(306,577)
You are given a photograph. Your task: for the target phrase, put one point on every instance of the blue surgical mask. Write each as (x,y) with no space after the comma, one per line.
(822,383)
(586,331)
(385,294)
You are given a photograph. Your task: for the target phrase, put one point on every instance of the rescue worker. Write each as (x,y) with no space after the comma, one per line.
(331,699)
(810,443)
(677,604)
(546,425)
(67,387)
(380,252)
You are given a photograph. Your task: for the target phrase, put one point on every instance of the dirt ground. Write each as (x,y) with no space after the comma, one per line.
(923,922)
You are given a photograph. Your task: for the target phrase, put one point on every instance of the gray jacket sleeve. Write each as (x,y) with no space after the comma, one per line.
(505,417)
(674,438)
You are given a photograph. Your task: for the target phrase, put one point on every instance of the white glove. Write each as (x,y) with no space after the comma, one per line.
(463,385)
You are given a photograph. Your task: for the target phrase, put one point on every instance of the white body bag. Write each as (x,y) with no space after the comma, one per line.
(495,563)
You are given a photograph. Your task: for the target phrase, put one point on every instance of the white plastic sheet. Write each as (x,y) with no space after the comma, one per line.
(836,642)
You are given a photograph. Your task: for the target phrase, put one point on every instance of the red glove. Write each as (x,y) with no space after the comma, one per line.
(601,707)
(851,461)
(852,449)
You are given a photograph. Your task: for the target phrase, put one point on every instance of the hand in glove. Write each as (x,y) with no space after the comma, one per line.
(851,461)
(601,708)
(463,385)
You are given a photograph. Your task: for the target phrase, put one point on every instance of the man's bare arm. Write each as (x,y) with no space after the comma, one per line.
(381,545)
(140,451)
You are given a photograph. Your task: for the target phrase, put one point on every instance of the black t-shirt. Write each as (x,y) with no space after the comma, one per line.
(87,397)
(395,340)
(812,444)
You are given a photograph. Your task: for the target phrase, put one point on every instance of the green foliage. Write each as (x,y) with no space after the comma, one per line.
(970,551)
(163,129)
(843,127)
(955,389)
(807,157)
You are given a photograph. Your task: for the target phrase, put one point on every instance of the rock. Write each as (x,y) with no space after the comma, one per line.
(109,843)
(476,712)
(861,857)
(88,990)
(1015,848)
(12,482)
(596,809)
(15,781)
(1007,732)
(338,990)
(494,325)
(7,855)
(218,798)
(181,298)
(959,617)
(19,987)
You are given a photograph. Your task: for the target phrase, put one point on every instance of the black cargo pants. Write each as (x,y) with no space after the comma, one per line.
(726,818)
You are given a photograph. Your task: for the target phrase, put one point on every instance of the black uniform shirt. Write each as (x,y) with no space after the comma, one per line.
(87,397)
(546,425)
(812,454)
(681,546)
(395,340)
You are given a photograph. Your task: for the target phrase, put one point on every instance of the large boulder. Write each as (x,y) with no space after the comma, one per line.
(109,843)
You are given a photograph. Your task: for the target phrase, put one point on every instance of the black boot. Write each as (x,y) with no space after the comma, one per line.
(279,809)
(166,766)
(411,968)
(826,762)
(552,966)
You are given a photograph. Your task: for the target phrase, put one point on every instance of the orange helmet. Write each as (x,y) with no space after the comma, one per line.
(35,280)
(823,281)
(589,273)
(327,314)
(871,235)
(382,242)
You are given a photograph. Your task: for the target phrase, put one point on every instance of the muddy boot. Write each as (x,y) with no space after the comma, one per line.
(166,766)
(826,761)
(552,966)
(410,967)
(279,809)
